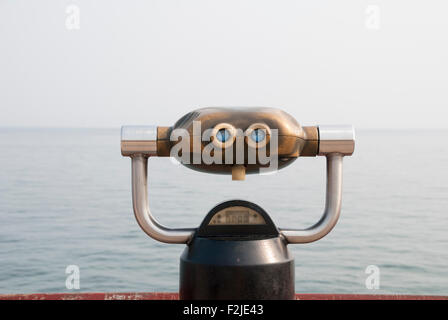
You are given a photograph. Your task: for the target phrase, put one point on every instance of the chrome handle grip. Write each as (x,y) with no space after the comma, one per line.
(336,139)
(332,206)
(139,140)
(335,142)
(141,207)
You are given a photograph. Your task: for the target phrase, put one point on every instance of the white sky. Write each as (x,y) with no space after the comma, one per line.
(149,62)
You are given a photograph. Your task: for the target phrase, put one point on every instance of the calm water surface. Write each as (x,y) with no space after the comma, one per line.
(65,199)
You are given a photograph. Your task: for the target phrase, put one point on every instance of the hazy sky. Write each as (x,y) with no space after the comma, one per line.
(368,63)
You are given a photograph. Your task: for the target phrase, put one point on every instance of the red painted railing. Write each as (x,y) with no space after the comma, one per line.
(174,296)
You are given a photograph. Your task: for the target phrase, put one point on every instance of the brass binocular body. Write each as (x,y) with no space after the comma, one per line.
(222,140)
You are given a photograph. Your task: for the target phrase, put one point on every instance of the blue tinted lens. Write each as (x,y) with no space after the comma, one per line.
(223,135)
(258,135)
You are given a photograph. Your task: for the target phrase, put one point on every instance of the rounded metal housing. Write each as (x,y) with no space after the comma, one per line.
(285,139)
(236,260)
(236,270)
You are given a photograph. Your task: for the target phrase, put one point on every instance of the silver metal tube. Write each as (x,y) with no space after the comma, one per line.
(332,206)
(141,207)
(139,140)
(336,139)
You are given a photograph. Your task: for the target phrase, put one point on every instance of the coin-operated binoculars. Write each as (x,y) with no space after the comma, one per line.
(237,252)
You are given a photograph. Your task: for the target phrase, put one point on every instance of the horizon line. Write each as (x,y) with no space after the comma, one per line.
(119,127)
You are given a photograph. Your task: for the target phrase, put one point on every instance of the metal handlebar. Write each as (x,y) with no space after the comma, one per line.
(335,142)
(141,207)
(332,206)
(140,142)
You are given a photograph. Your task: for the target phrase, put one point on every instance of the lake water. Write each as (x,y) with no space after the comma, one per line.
(65,199)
